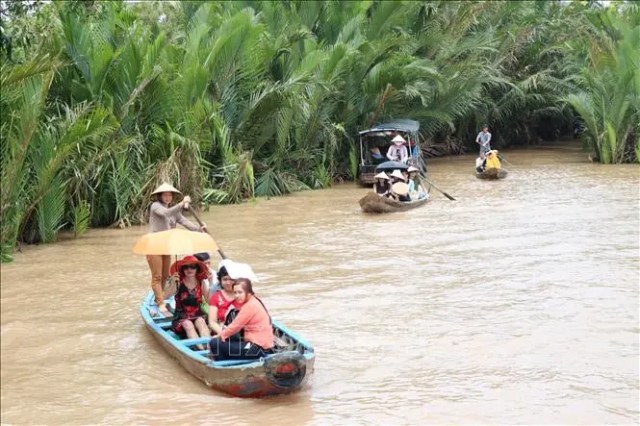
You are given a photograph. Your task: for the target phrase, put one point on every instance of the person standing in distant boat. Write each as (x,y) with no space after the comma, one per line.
(483,139)
(397,151)
(162,217)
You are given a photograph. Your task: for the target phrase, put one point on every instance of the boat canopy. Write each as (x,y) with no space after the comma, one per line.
(408,126)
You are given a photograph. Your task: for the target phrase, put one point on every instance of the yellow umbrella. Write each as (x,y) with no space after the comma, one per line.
(175,241)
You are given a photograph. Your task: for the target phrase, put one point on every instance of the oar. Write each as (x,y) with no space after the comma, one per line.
(443,193)
(504,160)
(220,252)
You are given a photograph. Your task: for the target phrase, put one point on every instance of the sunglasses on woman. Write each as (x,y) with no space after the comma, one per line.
(190,267)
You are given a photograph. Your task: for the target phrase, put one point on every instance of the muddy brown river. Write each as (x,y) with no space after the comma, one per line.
(517,303)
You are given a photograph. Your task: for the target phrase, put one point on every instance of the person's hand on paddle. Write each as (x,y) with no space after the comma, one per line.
(203,227)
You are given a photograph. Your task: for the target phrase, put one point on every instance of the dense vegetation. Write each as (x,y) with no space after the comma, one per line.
(230,100)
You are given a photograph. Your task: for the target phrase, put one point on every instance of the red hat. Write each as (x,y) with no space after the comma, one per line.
(202,273)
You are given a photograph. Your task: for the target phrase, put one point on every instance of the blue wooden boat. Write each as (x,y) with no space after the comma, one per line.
(286,371)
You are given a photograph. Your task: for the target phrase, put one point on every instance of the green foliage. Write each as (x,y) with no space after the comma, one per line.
(81,218)
(321,176)
(354,161)
(609,101)
(233,100)
(50,212)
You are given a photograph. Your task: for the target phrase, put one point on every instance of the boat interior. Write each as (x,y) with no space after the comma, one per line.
(285,341)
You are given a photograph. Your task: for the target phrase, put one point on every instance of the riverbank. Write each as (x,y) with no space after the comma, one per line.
(544,152)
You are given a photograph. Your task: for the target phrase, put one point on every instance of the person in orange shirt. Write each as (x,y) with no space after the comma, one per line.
(254,320)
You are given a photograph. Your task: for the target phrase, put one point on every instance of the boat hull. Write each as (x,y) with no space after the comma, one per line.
(492,173)
(373,203)
(284,372)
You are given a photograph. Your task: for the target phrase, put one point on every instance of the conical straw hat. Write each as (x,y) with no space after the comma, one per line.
(398,174)
(400,188)
(165,187)
(381,175)
(398,139)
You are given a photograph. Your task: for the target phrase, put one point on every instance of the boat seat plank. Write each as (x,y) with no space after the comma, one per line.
(228,362)
(164,324)
(196,341)
(174,335)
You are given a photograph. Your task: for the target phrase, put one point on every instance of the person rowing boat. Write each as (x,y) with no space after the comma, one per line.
(483,139)
(162,217)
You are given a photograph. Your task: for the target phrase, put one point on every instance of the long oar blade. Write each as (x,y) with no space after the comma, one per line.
(448,196)
(441,191)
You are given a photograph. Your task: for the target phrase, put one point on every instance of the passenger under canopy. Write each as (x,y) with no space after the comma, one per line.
(376,141)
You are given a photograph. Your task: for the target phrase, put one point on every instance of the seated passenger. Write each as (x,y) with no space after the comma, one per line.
(209,285)
(222,301)
(254,320)
(206,259)
(397,151)
(416,191)
(381,186)
(376,155)
(189,319)
(492,161)
(413,148)
(397,177)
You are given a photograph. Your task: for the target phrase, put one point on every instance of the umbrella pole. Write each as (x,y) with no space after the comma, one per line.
(167,305)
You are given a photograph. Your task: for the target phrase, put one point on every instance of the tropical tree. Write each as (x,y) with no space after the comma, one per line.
(231,100)
(609,102)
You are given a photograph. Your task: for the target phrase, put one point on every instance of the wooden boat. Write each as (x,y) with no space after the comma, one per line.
(375,143)
(492,173)
(284,372)
(373,203)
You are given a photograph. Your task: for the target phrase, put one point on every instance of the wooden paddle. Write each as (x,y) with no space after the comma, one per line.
(504,160)
(432,184)
(220,252)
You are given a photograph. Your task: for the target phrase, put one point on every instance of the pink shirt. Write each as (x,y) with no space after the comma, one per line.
(253,318)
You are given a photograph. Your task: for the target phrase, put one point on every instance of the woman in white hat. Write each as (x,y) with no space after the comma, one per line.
(397,176)
(397,151)
(162,217)
(382,186)
(416,191)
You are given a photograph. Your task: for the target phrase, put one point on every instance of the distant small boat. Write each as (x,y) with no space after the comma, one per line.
(285,371)
(491,166)
(373,203)
(492,173)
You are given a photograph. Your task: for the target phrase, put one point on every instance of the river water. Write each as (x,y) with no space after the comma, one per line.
(517,303)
